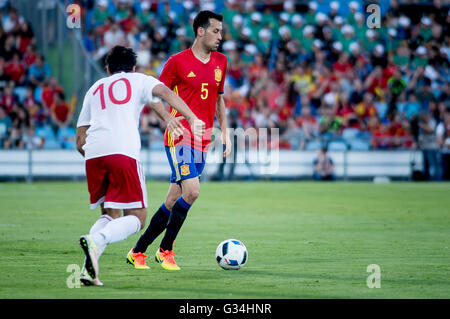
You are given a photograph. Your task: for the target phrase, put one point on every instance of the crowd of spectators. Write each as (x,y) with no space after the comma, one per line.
(33,108)
(315,70)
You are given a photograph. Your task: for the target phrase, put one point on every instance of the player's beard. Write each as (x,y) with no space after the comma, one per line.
(214,48)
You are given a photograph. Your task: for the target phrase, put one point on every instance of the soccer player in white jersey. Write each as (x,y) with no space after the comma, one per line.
(108,138)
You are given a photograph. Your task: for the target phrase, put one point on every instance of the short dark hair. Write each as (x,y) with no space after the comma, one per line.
(202,19)
(120,59)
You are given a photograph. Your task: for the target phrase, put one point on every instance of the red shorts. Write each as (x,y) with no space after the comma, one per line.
(116,180)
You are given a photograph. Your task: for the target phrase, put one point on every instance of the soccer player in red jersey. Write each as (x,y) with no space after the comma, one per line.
(197,75)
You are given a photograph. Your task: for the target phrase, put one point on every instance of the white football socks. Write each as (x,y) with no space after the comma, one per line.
(116,230)
(98,225)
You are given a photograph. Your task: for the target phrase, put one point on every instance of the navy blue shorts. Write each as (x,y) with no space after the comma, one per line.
(185,162)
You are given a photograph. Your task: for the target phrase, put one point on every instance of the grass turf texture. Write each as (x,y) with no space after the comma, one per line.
(305,240)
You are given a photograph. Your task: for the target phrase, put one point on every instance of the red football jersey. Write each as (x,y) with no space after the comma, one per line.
(198,84)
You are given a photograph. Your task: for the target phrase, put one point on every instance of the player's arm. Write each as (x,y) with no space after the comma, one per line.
(197,126)
(81,138)
(221,116)
(83,123)
(173,123)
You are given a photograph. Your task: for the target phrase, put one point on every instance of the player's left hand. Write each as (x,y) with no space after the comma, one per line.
(175,128)
(226,141)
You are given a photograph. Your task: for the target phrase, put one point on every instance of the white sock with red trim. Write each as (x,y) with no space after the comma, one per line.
(116,230)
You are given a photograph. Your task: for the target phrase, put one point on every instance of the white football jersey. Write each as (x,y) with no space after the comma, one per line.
(112,107)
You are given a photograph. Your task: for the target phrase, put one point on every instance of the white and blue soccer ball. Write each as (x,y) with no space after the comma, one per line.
(231,254)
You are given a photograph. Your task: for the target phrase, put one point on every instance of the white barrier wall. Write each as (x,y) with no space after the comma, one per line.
(287,164)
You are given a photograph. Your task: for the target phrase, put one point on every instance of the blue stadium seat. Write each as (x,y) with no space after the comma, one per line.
(359,145)
(382,108)
(157,145)
(50,141)
(51,145)
(45,132)
(66,137)
(313,146)
(350,133)
(337,146)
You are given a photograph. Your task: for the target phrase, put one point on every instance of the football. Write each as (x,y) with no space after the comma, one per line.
(231,254)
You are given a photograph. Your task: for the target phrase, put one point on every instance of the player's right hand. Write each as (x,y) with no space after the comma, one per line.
(198,129)
(175,128)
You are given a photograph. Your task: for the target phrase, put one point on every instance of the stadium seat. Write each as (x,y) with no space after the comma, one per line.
(157,145)
(382,108)
(66,137)
(359,145)
(45,132)
(51,145)
(50,141)
(350,133)
(337,146)
(313,146)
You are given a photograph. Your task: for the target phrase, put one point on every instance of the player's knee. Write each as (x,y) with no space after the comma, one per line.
(113,213)
(170,201)
(142,219)
(191,194)
(141,214)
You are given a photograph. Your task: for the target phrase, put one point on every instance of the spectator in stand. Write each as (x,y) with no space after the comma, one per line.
(122,7)
(30,141)
(29,102)
(443,139)
(15,69)
(25,37)
(7,51)
(4,78)
(89,42)
(429,146)
(365,109)
(100,13)
(5,126)
(293,137)
(39,72)
(160,44)
(114,36)
(14,139)
(308,122)
(396,85)
(8,99)
(30,55)
(330,125)
(323,166)
(48,91)
(382,137)
(60,112)
(12,21)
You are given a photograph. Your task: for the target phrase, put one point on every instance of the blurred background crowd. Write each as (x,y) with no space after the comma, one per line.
(323,72)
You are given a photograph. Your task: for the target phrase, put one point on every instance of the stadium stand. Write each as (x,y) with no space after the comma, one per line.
(315,70)
(31,101)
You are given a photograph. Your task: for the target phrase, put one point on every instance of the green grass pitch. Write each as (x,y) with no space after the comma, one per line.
(305,240)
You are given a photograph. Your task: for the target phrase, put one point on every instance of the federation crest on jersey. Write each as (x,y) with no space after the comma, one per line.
(184,169)
(218,74)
